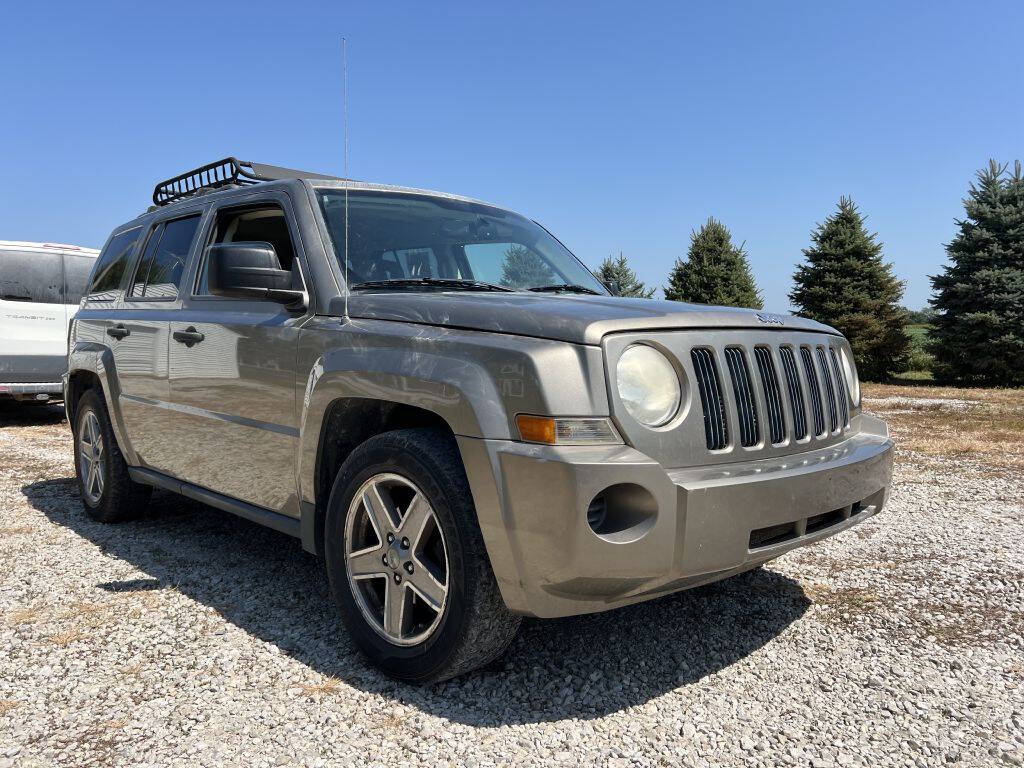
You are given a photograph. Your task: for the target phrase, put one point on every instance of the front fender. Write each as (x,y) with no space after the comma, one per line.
(477,382)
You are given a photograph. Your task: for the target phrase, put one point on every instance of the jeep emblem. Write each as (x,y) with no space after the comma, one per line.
(771,319)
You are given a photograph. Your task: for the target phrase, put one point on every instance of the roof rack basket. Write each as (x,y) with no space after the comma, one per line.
(229,172)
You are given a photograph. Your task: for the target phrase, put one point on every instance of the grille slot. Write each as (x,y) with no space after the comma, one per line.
(710,386)
(812,382)
(796,392)
(743,390)
(773,534)
(844,397)
(772,394)
(825,520)
(829,389)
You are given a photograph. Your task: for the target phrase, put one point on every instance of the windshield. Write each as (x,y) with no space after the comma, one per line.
(400,236)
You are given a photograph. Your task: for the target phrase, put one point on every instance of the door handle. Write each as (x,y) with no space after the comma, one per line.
(189,336)
(118,331)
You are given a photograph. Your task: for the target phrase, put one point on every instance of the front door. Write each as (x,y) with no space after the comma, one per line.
(232,374)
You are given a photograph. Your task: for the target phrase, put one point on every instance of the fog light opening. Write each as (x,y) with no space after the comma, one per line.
(622,513)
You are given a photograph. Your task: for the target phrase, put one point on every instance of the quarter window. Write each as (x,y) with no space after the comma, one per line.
(111,264)
(163,262)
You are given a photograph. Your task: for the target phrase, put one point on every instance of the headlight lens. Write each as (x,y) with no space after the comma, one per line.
(851,376)
(648,385)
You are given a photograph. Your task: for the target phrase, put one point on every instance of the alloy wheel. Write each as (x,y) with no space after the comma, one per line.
(396,559)
(92,461)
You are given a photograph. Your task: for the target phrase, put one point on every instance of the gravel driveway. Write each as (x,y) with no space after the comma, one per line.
(194,638)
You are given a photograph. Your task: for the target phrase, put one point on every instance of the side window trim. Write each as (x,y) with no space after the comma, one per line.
(156,230)
(158,227)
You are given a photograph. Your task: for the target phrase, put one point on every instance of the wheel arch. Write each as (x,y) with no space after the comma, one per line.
(347,423)
(91,366)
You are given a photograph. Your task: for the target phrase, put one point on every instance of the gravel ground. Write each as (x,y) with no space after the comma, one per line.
(195,638)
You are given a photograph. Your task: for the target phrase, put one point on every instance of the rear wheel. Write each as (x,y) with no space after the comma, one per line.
(406,560)
(108,493)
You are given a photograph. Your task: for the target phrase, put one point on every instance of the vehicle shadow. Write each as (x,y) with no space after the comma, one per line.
(21,414)
(582,667)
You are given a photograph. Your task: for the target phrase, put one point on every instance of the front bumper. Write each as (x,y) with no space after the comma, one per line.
(669,529)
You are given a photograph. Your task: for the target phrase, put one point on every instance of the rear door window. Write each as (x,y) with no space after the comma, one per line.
(163,262)
(31,277)
(111,264)
(76,276)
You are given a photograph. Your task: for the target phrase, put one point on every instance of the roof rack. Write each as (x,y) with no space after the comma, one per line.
(229,172)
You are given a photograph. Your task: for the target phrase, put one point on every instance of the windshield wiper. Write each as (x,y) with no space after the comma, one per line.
(439,282)
(566,287)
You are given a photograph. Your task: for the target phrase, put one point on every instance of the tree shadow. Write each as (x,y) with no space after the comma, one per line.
(27,414)
(581,667)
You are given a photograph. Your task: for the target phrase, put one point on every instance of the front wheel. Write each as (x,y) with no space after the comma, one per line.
(406,561)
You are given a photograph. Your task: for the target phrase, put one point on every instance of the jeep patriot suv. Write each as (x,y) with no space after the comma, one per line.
(439,399)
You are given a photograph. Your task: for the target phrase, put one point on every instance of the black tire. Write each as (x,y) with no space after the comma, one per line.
(121,498)
(475,626)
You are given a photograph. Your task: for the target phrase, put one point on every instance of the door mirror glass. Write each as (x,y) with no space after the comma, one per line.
(249,270)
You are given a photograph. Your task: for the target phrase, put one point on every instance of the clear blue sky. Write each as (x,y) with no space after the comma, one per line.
(619,126)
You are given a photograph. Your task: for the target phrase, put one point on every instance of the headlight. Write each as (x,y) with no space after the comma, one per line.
(850,370)
(648,385)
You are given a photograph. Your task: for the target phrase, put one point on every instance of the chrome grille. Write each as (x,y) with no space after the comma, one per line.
(844,395)
(796,393)
(772,395)
(830,391)
(812,382)
(743,390)
(710,386)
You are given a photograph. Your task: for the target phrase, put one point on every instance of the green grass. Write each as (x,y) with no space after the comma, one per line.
(918,332)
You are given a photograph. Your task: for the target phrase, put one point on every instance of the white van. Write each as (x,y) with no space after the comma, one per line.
(41,285)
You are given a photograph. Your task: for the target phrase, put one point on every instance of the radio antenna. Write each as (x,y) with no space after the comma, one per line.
(344,85)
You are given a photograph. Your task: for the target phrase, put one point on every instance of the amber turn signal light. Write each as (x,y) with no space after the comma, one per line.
(536,429)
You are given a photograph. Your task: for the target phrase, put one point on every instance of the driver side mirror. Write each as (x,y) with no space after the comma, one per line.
(614,286)
(250,270)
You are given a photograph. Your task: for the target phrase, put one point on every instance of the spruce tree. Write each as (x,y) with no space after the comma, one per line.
(978,335)
(715,271)
(617,271)
(522,268)
(846,284)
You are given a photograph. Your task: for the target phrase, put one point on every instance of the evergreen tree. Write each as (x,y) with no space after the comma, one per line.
(846,284)
(978,335)
(522,268)
(617,271)
(715,271)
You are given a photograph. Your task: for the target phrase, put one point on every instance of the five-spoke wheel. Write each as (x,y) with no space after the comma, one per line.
(90,455)
(406,559)
(396,559)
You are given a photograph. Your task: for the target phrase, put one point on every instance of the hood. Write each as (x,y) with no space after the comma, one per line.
(564,317)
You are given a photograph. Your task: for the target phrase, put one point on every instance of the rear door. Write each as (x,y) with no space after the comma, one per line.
(139,331)
(232,370)
(33,335)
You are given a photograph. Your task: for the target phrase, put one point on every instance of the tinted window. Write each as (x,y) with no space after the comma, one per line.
(27,276)
(163,262)
(76,276)
(264,224)
(110,266)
